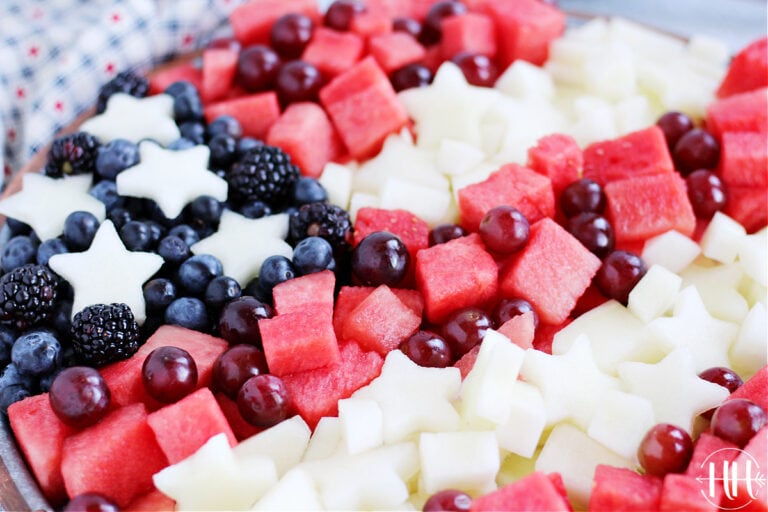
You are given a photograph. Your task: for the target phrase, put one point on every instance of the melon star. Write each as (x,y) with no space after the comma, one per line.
(107,272)
(172,178)
(134,119)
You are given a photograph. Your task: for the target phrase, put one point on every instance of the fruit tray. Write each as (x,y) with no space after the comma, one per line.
(571,307)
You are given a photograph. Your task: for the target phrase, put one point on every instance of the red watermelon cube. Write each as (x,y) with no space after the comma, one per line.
(645,206)
(748,206)
(623,490)
(559,157)
(744,159)
(551,272)
(467,361)
(312,291)
(315,393)
(684,492)
(241,428)
(351,296)
(375,20)
(513,185)
(520,329)
(747,71)
(152,501)
(219,69)
(115,457)
(364,107)
(742,112)
(333,52)
(394,50)
(750,496)
(380,322)
(181,428)
(471,32)
(184,71)
(411,229)
(710,453)
(454,275)
(535,492)
(255,112)
(755,389)
(252,21)
(545,332)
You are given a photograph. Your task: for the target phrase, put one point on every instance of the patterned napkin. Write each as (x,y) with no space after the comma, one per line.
(55,55)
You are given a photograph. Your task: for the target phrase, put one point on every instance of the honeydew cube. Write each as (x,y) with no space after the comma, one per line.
(523,79)
(325,440)
(430,204)
(645,41)
(336,179)
(654,294)
(632,113)
(749,351)
(621,421)
(528,417)
(572,453)
(524,122)
(361,200)
(718,286)
(362,424)
(672,250)
(513,468)
(753,256)
(710,50)
(285,443)
(466,460)
(721,239)
(457,157)
(398,157)
(610,72)
(296,490)
(475,175)
(595,120)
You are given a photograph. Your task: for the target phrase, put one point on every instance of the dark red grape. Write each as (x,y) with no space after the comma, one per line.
(508,308)
(380,258)
(582,196)
(431,30)
(169,374)
(665,449)
(593,231)
(464,329)
(257,67)
(410,76)
(674,125)
(619,273)
(706,192)
(738,420)
(91,502)
(477,68)
(263,400)
(504,229)
(290,34)
(236,365)
(445,233)
(340,14)
(449,500)
(428,349)
(298,81)
(697,149)
(239,320)
(408,25)
(721,376)
(79,396)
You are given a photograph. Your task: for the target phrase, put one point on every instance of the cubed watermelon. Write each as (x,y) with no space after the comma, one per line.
(639,153)
(115,457)
(545,332)
(333,52)
(241,428)
(184,71)
(374,21)
(755,389)
(219,69)
(255,112)
(535,492)
(645,206)
(412,230)
(364,107)
(395,49)
(181,428)
(684,492)
(743,112)
(744,159)
(152,501)
(520,329)
(623,490)
(456,274)
(312,291)
(710,453)
(351,296)
(471,32)
(315,393)
(748,69)
(252,21)
(551,272)
(513,185)
(559,157)
(748,206)
(750,496)
(466,362)
(380,322)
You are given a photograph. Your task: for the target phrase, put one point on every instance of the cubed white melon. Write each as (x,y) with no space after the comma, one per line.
(654,294)
(525,425)
(296,490)
(336,179)
(433,205)
(632,114)
(594,120)
(325,440)
(621,421)
(457,157)
(672,250)
(466,460)
(722,238)
(718,286)
(475,175)
(523,79)
(285,443)
(749,351)
(753,256)
(362,200)
(609,72)
(362,424)
(525,121)
(513,468)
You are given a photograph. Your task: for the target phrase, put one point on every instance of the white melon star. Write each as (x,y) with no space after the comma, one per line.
(675,391)
(172,178)
(242,244)
(44,203)
(134,119)
(107,272)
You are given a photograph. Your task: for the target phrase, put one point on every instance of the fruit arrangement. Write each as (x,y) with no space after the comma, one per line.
(431,255)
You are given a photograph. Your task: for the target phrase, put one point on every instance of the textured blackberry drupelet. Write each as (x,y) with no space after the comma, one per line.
(321,219)
(72,154)
(127,82)
(104,333)
(263,173)
(27,295)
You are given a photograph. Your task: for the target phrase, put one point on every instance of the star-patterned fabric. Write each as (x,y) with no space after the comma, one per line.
(56,54)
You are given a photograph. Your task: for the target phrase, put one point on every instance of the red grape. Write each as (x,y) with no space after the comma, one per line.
(477,68)
(79,396)
(582,196)
(619,273)
(697,149)
(445,233)
(738,420)
(508,308)
(380,258)
(706,192)
(257,67)
(410,76)
(263,400)
(169,374)
(431,31)
(721,376)
(674,125)
(290,34)
(340,14)
(449,500)
(298,81)
(239,320)
(91,502)
(593,231)
(408,25)
(236,365)
(464,329)
(665,449)
(504,229)
(428,349)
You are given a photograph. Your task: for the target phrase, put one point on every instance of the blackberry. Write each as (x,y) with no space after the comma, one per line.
(104,333)
(263,173)
(321,219)
(27,295)
(75,153)
(127,82)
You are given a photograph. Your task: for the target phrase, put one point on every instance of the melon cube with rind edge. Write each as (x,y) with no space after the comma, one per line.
(721,238)
(294,491)
(621,421)
(672,250)
(466,460)
(654,294)
(362,424)
(528,417)
(749,352)
(336,179)
(284,443)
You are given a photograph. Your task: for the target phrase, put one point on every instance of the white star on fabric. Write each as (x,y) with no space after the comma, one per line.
(107,272)
(172,178)
(242,244)
(44,203)
(675,391)
(134,119)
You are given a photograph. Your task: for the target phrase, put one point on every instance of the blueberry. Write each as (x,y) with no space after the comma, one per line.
(187,107)
(17,227)
(7,337)
(308,190)
(156,231)
(186,233)
(189,312)
(193,131)
(275,270)
(12,376)
(173,249)
(203,211)
(106,192)
(246,143)
(18,251)
(223,148)
(255,209)
(221,290)
(313,254)
(159,293)
(79,229)
(49,248)
(180,88)
(180,144)
(36,352)
(119,215)
(61,320)
(197,271)
(11,392)
(136,235)
(115,156)
(225,124)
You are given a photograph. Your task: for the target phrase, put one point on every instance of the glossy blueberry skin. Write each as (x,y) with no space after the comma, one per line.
(10,394)
(187,105)
(36,352)
(79,230)
(254,209)
(193,131)
(106,192)
(246,143)
(50,248)
(203,211)
(186,232)
(159,293)
(180,144)
(308,190)
(223,148)
(313,254)
(225,124)
(221,290)
(115,156)
(197,271)
(275,270)
(18,251)
(7,337)
(173,249)
(136,235)
(189,312)
(17,227)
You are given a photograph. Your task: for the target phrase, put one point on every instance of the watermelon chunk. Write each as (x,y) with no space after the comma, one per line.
(219,69)
(252,22)
(351,296)
(456,274)
(364,107)
(711,452)
(151,502)
(333,52)
(545,332)
(744,159)
(412,230)
(255,112)
(513,185)
(623,490)
(747,71)
(645,206)
(535,492)
(755,456)
(183,427)
(115,457)
(755,389)
(312,291)
(395,49)
(520,329)
(467,361)
(315,393)
(639,153)
(184,71)
(241,428)
(40,435)
(684,492)
(743,112)
(559,157)
(471,32)
(551,272)
(748,206)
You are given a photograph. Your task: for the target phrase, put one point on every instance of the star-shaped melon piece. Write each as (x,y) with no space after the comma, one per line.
(134,119)
(242,244)
(107,272)
(172,178)
(44,203)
